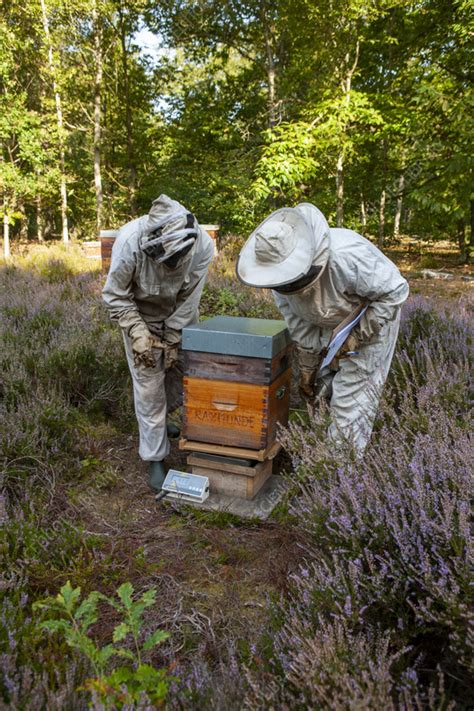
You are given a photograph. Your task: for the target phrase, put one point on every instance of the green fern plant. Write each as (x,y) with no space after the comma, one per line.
(73,618)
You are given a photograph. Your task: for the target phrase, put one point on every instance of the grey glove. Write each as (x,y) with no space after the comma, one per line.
(171,343)
(142,346)
(368,327)
(308,362)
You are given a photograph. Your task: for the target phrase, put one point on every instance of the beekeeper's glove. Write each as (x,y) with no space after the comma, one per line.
(142,346)
(351,344)
(308,362)
(171,343)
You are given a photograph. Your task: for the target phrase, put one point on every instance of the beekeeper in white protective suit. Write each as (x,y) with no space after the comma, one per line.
(157,274)
(319,276)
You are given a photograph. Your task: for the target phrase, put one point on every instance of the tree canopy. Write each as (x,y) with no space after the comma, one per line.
(361,107)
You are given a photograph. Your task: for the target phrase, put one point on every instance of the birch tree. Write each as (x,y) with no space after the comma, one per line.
(98,76)
(53,68)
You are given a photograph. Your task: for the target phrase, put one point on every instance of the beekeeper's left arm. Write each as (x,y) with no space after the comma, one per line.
(368,274)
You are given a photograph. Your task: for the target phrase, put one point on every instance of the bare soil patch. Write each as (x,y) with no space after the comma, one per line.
(212,571)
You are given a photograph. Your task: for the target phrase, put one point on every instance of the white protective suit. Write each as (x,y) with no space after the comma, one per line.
(354,272)
(139,290)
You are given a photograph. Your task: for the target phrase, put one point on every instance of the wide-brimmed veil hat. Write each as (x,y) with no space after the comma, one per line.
(279,251)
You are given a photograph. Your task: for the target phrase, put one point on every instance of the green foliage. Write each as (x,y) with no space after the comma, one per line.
(74,618)
(429,262)
(287,161)
(233,122)
(296,153)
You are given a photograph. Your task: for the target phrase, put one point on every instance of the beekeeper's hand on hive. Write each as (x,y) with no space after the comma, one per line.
(156,277)
(319,276)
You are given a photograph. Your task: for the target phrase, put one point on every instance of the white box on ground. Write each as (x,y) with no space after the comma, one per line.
(186,487)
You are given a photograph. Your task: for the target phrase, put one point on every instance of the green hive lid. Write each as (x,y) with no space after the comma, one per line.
(234,335)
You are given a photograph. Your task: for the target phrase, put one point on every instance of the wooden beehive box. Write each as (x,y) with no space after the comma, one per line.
(107,241)
(237,381)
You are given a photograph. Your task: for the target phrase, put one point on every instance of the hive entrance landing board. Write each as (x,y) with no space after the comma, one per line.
(258,455)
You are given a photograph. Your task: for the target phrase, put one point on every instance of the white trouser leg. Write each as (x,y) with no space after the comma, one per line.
(357,387)
(150,406)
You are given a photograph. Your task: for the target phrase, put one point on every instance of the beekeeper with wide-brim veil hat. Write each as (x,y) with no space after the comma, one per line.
(319,276)
(154,285)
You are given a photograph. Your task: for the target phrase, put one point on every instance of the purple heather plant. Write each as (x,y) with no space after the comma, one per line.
(61,362)
(388,549)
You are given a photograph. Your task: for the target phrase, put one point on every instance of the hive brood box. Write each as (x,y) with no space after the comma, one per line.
(237,381)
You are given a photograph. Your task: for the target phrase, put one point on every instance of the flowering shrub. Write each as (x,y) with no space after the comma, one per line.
(61,362)
(388,538)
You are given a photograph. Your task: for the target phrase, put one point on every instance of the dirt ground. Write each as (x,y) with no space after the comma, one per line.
(213,571)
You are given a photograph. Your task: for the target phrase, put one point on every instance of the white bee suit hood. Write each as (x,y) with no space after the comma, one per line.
(169,228)
(284,247)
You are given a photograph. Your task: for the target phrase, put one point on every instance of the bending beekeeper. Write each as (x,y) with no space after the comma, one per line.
(319,276)
(157,273)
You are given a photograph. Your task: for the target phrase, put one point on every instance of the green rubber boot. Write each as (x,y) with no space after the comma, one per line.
(156,475)
(172,430)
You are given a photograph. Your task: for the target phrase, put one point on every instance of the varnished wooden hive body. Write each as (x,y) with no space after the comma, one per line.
(236,399)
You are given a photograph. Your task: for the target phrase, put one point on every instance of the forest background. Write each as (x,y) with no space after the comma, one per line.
(363,108)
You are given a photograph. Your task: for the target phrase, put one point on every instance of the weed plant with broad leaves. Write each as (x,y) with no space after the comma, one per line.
(133,680)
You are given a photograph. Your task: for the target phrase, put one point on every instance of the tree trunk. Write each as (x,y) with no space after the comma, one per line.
(39,219)
(6,229)
(470,247)
(340,191)
(128,116)
(399,205)
(271,72)
(462,241)
(363,215)
(383,197)
(98,56)
(23,227)
(59,120)
(346,84)
(381,238)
